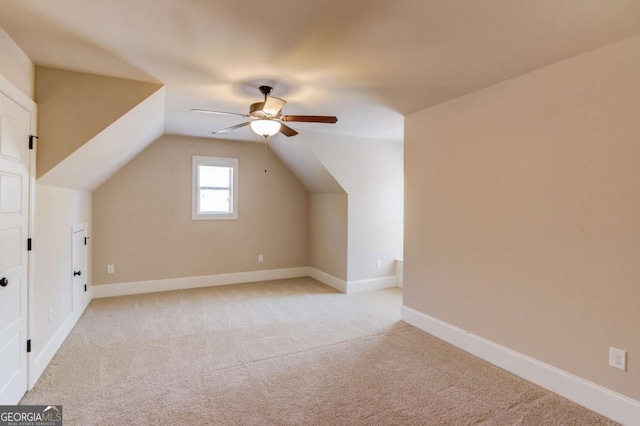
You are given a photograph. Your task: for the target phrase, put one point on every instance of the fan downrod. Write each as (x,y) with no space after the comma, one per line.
(265,90)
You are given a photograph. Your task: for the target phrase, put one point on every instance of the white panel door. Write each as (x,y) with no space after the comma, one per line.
(79,256)
(14,222)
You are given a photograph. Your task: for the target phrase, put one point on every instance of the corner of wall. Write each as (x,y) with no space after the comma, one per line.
(16,66)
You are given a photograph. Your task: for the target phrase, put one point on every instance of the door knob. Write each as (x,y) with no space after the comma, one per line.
(4,282)
(77,273)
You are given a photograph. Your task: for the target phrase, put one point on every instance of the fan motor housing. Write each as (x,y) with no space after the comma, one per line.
(256,111)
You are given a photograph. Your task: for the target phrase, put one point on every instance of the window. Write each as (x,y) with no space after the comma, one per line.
(215,188)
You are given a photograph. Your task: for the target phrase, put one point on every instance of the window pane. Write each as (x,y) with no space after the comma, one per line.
(215,201)
(215,176)
(214,188)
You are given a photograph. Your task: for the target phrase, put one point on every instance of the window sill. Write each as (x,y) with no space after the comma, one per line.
(215,217)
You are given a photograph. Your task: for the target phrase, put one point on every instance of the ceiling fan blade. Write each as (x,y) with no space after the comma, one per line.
(273,105)
(208,111)
(310,118)
(287,131)
(228,129)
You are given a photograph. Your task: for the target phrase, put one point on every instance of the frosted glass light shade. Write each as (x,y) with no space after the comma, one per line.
(265,127)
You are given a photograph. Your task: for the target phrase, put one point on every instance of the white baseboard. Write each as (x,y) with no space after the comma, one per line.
(47,353)
(371,284)
(330,280)
(352,286)
(590,395)
(152,286)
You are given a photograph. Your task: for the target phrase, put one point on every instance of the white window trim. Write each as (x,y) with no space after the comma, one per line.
(219,162)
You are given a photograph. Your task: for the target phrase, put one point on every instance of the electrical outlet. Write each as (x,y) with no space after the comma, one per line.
(618,358)
(260,258)
(378,264)
(110,269)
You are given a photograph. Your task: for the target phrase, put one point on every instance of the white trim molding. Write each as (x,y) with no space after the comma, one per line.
(372,284)
(352,286)
(207,161)
(17,95)
(152,286)
(328,279)
(604,401)
(24,101)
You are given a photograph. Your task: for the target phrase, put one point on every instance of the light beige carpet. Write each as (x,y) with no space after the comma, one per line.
(291,352)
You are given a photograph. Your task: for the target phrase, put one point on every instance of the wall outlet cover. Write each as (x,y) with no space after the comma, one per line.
(618,358)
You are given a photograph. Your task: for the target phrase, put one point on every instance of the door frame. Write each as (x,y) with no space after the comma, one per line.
(16,95)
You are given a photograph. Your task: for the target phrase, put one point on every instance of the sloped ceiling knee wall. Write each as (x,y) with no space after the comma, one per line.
(90,126)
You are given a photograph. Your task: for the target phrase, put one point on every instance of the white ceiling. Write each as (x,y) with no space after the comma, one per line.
(368,62)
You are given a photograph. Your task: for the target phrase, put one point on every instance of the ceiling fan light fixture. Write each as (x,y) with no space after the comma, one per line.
(266,118)
(265,127)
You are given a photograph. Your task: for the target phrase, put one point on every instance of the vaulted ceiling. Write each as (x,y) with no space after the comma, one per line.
(368,62)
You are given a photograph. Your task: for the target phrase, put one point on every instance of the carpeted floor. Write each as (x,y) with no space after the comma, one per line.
(291,352)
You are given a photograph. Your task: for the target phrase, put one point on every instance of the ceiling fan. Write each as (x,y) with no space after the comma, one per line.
(266,117)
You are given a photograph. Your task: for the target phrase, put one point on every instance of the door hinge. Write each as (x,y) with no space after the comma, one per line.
(28,345)
(31,138)
(28,244)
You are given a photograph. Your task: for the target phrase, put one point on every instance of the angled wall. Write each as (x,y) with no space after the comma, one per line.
(98,159)
(371,173)
(356,187)
(328,214)
(74,107)
(304,163)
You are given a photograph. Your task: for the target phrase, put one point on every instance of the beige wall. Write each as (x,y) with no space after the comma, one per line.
(74,107)
(328,234)
(15,65)
(523,213)
(57,211)
(142,216)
